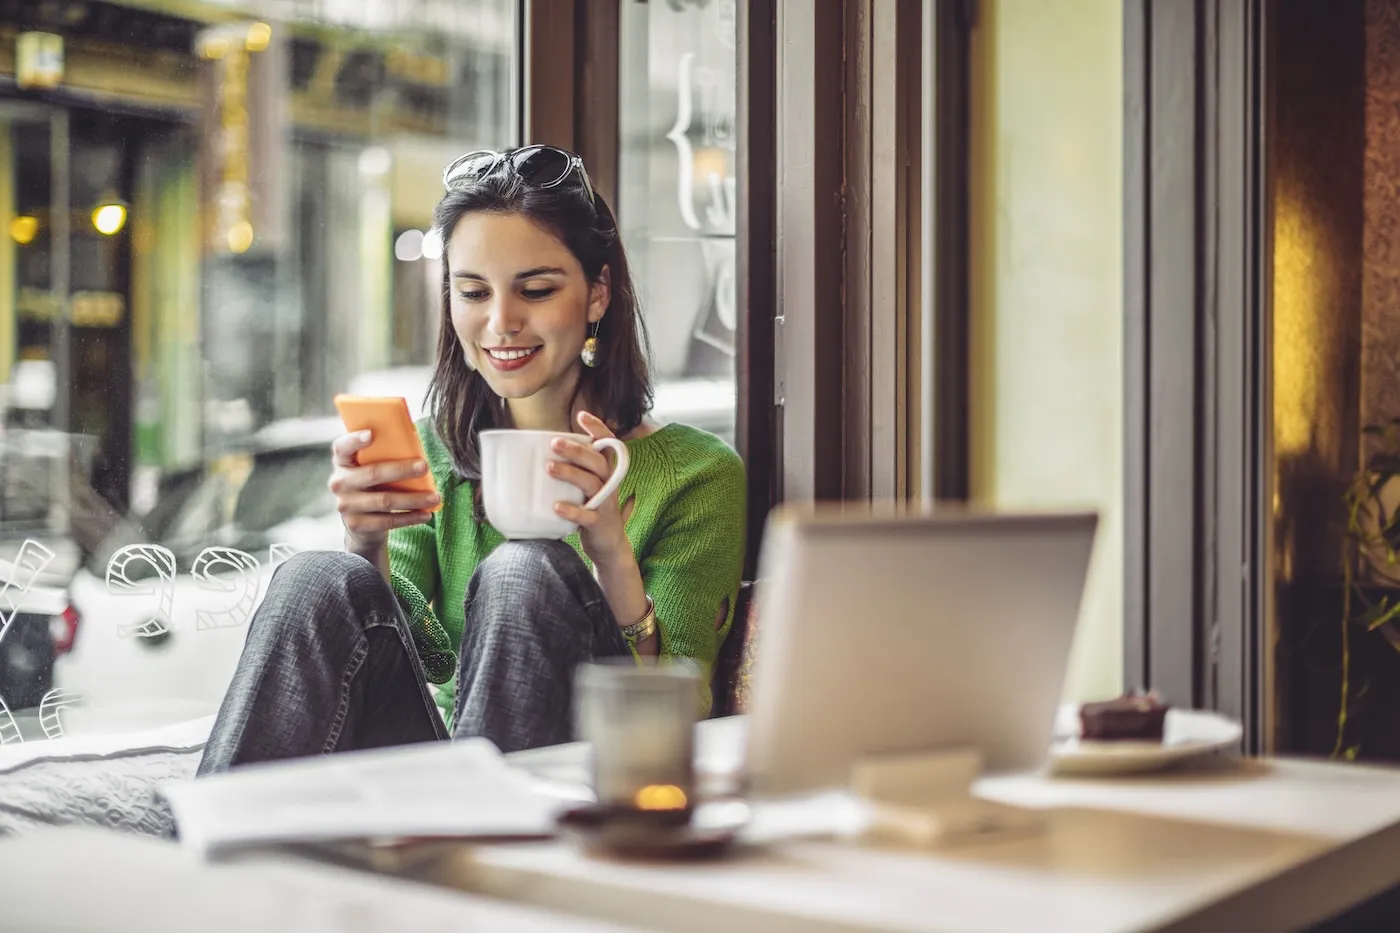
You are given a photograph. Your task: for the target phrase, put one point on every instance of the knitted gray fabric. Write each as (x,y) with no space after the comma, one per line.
(115,791)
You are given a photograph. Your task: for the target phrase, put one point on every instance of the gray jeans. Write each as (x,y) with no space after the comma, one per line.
(329,664)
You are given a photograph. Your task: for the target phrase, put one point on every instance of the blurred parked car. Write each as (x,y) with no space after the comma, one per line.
(164,618)
(40,549)
(40,627)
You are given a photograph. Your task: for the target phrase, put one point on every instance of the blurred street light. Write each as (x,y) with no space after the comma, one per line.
(409,246)
(24,228)
(375,162)
(432,244)
(240,237)
(39,60)
(259,37)
(109,217)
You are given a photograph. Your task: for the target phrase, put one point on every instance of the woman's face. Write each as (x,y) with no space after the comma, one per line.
(520,303)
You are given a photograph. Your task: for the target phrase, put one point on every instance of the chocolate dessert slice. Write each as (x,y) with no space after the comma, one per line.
(1129,718)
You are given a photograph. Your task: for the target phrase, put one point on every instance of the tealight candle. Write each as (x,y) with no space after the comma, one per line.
(641,724)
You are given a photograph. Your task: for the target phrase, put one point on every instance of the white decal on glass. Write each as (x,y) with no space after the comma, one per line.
(716,94)
(725,23)
(723,210)
(9,729)
(685,157)
(54,703)
(716,90)
(226,570)
(33,557)
(120,583)
(280,553)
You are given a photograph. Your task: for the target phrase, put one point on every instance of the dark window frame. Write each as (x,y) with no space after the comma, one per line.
(1195,331)
(861,390)
(570,99)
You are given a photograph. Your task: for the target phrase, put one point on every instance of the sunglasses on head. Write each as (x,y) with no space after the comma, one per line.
(536,166)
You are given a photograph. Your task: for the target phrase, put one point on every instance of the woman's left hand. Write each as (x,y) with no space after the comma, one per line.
(602,530)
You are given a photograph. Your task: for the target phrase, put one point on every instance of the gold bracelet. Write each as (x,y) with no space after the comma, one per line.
(644,627)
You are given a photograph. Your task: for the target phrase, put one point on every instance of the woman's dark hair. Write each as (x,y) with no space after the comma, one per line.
(619,388)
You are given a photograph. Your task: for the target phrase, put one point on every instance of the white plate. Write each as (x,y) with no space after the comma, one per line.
(1188,734)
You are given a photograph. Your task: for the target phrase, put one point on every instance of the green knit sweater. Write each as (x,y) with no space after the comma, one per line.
(686,528)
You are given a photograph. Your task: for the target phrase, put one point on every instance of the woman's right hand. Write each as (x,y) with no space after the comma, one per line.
(370,514)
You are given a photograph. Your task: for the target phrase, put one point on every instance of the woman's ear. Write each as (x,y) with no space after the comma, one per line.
(600,296)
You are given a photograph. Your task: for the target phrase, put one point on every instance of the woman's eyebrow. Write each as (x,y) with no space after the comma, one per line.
(540,270)
(527,274)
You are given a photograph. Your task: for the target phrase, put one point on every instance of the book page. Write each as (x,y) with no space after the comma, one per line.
(462,789)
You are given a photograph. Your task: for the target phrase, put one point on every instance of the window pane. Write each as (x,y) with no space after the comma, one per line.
(209,226)
(676,198)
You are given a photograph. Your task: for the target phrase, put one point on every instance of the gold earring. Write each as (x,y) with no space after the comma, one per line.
(590,348)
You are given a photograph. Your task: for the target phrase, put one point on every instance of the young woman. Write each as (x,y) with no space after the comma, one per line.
(429,625)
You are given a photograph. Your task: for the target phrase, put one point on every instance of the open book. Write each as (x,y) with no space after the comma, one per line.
(463,789)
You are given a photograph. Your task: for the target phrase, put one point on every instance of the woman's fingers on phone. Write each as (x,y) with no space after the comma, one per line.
(391,471)
(374,503)
(346,480)
(345,447)
(411,518)
(377,523)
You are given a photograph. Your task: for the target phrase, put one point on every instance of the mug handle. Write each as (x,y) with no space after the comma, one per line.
(618,472)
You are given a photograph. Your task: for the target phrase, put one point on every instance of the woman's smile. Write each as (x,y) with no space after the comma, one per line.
(509,359)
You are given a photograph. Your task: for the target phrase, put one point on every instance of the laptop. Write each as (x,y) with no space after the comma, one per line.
(897,633)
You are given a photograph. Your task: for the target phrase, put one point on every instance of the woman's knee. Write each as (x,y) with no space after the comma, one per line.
(313,586)
(537,563)
(320,569)
(537,586)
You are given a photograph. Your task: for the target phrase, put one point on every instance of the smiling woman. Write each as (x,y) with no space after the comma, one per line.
(539,330)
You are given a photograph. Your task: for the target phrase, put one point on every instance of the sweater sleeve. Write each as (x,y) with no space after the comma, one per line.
(417,582)
(692,570)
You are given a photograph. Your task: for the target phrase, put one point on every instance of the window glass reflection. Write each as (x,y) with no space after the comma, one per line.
(210,223)
(676,197)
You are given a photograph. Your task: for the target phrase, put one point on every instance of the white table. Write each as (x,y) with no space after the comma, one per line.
(1257,845)
(87,879)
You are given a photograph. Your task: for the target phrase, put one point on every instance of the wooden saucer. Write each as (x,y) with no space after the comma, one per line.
(703,833)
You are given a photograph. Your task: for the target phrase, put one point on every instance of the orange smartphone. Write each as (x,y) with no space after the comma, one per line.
(392,437)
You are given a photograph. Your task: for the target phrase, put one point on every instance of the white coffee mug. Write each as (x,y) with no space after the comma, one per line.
(517,490)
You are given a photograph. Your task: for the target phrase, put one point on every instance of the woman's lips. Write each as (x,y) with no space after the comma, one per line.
(509,359)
